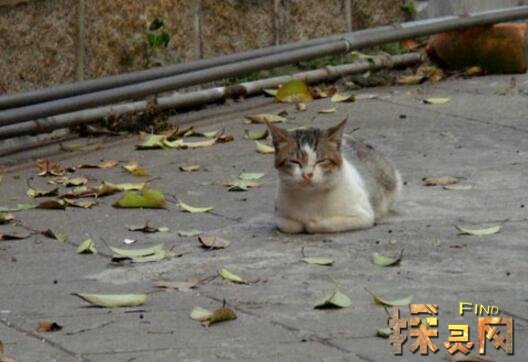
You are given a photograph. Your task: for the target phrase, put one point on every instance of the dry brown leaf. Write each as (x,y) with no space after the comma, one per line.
(48,326)
(135,169)
(440,181)
(225,138)
(49,168)
(102,164)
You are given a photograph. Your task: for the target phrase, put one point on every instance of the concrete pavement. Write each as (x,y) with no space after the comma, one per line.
(481,135)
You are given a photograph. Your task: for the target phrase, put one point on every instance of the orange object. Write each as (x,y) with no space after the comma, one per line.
(500,48)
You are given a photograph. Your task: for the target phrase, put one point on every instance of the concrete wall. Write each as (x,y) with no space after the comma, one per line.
(45,42)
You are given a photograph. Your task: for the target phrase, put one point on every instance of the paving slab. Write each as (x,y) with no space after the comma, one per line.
(480,135)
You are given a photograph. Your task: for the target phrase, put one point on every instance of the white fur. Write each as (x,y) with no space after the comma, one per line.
(333,203)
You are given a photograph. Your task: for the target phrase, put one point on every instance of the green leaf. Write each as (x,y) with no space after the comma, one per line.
(113,300)
(151,141)
(194,210)
(381,260)
(265,149)
(213,242)
(400,302)
(250,176)
(227,275)
(319,261)
(479,232)
(334,299)
(87,247)
(256,135)
(156,24)
(294,91)
(5,218)
(145,198)
(188,233)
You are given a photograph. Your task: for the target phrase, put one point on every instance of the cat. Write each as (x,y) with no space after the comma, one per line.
(322,191)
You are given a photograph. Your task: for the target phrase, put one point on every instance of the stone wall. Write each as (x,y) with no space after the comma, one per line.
(45,42)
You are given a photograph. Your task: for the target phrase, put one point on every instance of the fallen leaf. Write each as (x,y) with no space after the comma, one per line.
(225,138)
(301,107)
(327,110)
(213,242)
(384,332)
(102,164)
(175,133)
(200,314)
(432,72)
(320,92)
(294,91)
(190,168)
(108,188)
(440,181)
(401,302)
(210,134)
(193,210)
(49,168)
(52,205)
(334,299)
(129,241)
(147,228)
(55,235)
(409,44)
(66,181)
(241,185)
(436,100)
(189,233)
(48,326)
(5,237)
(113,300)
(263,148)
(458,187)
(6,218)
(151,141)
(271,92)
(227,275)
(250,176)
(75,147)
(181,286)
(134,169)
(83,204)
(145,198)
(153,253)
(479,232)
(87,247)
(473,71)
(256,135)
(221,315)
(338,98)
(411,79)
(265,117)
(181,144)
(31,192)
(19,207)
(318,261)
(381,260)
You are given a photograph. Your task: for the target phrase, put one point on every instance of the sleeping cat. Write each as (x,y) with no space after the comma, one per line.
(321,191)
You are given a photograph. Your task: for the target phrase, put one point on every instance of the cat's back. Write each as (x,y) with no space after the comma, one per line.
(382,180)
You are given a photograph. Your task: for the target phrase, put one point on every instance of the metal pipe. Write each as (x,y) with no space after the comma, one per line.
(178,100)
(93,85)
(345,44)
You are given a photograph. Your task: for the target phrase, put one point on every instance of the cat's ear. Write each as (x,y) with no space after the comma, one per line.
(335,134)
(279,135)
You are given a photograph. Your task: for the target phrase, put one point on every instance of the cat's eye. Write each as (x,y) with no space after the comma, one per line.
(324,160)
(294,162)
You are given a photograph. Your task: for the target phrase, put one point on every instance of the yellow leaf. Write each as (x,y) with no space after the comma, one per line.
(145,198)
(263,148)
(265,117)
(436,100)
(134,169)
(327,110)
(113,300)
(227,275)
(338,98)
(294,91)
(194,210)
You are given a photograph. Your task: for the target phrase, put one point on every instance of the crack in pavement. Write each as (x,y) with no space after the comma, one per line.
(41,338)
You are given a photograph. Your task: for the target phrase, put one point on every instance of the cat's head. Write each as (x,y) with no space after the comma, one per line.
(308,159)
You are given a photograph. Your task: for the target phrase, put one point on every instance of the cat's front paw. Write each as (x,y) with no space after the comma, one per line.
(313,226)
(289,226)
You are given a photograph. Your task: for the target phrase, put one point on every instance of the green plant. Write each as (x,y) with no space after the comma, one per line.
(157,37)
(409,9)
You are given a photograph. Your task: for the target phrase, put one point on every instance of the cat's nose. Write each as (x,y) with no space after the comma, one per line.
(307,176)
